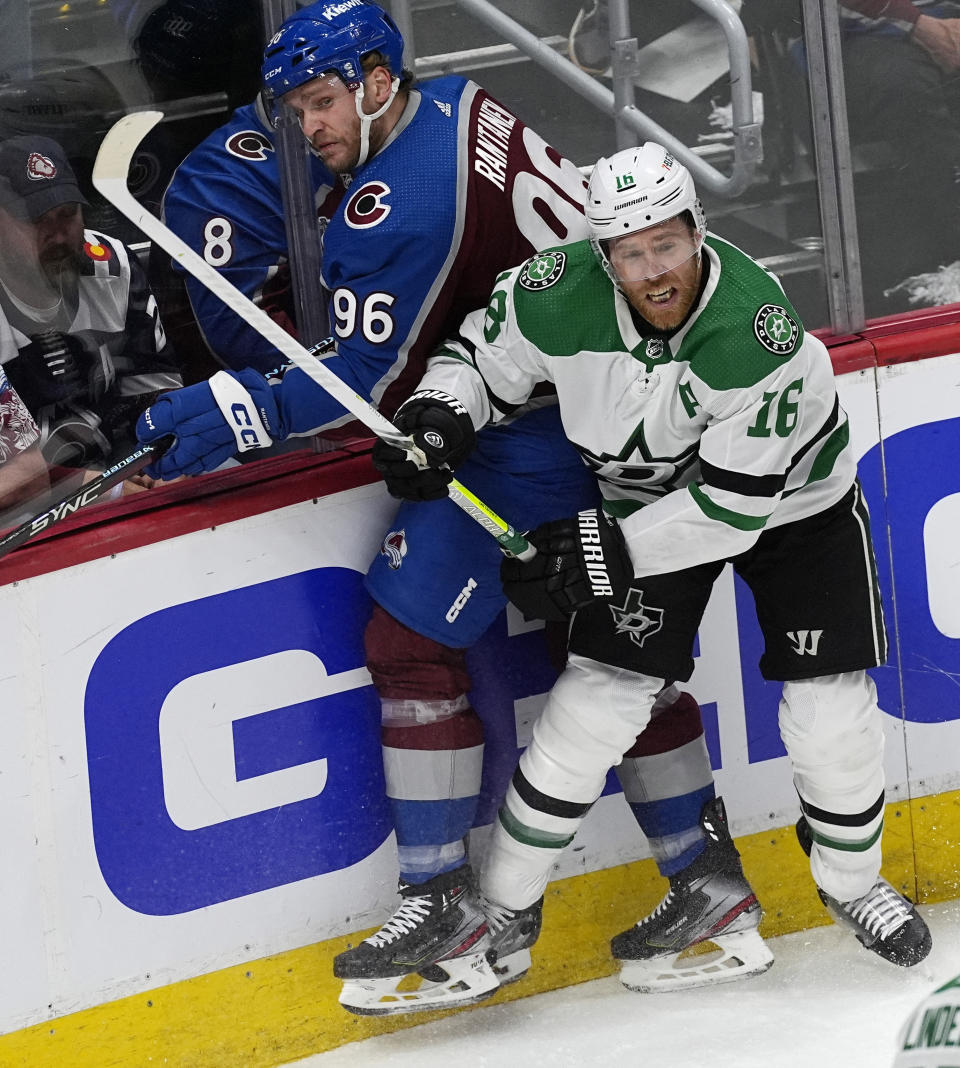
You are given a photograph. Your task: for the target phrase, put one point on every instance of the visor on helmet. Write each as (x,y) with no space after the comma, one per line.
(653,252)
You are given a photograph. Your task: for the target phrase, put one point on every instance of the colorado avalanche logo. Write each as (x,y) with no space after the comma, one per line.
(40,167)
(394,548)
(366,208)
(248,144)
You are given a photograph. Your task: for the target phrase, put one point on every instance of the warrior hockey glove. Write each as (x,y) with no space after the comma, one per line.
(578,561)
(211,421)
(442,428)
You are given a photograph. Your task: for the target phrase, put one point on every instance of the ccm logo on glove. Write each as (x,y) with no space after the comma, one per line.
(249,429)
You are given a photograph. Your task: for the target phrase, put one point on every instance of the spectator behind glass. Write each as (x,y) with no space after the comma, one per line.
(901,60)
(23,474)
(80,336)
(193,47)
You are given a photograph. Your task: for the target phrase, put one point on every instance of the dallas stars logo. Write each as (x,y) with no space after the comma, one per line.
(636,619)
(542,271)
(775,329)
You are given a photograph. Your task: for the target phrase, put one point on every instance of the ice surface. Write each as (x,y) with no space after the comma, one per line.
(825,1003)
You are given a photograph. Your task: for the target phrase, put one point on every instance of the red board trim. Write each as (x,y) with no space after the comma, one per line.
(275,482)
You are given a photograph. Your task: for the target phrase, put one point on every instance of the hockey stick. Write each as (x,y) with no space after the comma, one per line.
(110,178)
(87,494)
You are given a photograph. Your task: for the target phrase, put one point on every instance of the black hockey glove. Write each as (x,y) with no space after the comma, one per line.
(442,428)
(579,560)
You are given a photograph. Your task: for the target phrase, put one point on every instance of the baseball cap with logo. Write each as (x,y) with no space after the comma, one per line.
(35,176)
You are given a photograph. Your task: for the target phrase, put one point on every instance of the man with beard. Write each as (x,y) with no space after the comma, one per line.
(711,417)
(80,336)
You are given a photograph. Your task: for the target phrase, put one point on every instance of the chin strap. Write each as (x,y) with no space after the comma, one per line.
(366,120)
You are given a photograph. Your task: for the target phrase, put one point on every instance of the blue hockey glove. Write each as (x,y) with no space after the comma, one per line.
(443,429)
(579,561)
(211,421)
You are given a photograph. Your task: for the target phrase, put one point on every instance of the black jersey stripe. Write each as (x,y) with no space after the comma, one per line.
(827,428)
(738,482)
(765,485)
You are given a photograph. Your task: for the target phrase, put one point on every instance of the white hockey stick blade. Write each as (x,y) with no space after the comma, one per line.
(110,179)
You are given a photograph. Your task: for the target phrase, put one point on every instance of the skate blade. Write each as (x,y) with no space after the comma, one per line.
(469,979)
(723,959)
(512,967)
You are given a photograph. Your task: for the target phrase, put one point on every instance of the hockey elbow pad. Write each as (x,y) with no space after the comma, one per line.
(211,421)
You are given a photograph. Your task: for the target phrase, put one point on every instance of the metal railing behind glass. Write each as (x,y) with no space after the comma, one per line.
(618,102)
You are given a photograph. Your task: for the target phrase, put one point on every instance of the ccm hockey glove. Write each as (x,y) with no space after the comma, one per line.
(579,560)
(229,413)
(442,428)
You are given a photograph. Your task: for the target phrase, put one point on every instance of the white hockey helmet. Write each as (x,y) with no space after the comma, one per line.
(636,189)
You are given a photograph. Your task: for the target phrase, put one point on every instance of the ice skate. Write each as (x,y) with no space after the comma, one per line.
(704,931)
(430,954)
(512,933)
(884,921)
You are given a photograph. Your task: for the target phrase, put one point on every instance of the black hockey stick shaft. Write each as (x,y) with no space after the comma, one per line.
(86,495)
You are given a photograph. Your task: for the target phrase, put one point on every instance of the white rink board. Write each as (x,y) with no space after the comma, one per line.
(89,915)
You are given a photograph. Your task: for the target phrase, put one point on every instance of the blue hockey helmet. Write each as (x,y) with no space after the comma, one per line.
(330,36)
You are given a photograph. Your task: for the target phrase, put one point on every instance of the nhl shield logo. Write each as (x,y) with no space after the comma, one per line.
(636,619)
(775,329)
(542,271)
(654,353)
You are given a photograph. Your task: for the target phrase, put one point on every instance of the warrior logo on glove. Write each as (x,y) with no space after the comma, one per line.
(579,561)
(593,559)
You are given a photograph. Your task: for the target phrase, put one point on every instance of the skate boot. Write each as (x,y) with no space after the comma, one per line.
(430,954)
(512,933)
(705,930)
(884,921)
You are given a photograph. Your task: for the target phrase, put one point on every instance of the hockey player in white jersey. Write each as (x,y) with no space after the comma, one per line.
(930,1036)
(711,418)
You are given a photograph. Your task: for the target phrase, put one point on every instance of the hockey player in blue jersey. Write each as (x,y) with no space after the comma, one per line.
(446,189)
(225,200)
